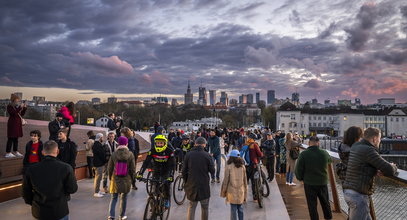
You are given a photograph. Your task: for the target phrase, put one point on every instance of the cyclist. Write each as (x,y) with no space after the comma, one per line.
(255,154)
(162,155)
(184,148)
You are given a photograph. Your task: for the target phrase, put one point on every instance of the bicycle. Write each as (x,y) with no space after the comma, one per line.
(148,184)
(155,207)
(261,185)
(178,190)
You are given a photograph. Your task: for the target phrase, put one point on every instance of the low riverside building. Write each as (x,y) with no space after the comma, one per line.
(194,125)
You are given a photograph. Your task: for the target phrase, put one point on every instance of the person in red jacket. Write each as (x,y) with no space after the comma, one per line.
(68,112)
(16,111)
(255,155)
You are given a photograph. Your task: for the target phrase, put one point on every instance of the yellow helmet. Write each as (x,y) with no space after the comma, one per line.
(160,137)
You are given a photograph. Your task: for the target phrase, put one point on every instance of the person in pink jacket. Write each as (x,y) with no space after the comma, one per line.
(68,111)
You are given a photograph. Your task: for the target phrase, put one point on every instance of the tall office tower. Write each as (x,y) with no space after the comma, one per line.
(250,99)
(188,97)
(295,97)
(257,97)
(212,97)
(224,98)
(271,96)
(203,96)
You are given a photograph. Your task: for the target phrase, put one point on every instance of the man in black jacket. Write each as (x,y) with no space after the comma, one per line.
(269,147)
(48,184)
(198,164)
(99,161)
(111,122)
(56,125)
(67,148)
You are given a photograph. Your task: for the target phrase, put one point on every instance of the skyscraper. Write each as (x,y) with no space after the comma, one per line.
(271,96)
(224,98)
(212,97)
(250,99)
(188,97)
(295,97)
(203,96)
(257,97)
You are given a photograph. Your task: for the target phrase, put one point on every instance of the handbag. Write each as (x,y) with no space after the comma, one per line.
(23,121)
(294,153)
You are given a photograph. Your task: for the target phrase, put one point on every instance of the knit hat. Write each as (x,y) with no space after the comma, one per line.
(200,141)
(234,153)
(98,136)
(59,114)
(122,140)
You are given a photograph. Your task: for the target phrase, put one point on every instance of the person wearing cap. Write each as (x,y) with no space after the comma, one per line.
(56,125)
(198,165)
(234,185)
(312,168)
(163,166)
(160,130)
(67,148)
(185,147)
(121,170)
(269,148)
(99,161)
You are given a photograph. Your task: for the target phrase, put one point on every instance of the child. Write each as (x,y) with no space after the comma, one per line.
(234,186)
(33,150)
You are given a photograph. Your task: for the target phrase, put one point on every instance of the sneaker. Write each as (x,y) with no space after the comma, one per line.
(101,192)
(287,183)
(9,155)
(218,180)
(167,203)
(17,154)
(98,195)
(213,180)
(110,218)
(292,184)
(122,217)
(106,190)
(134,188)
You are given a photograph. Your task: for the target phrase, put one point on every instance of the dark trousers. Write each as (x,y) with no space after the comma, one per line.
(89,160)
(250,170)
(278,164)
(12,142)
(312,193)
(133,181)
(270,167)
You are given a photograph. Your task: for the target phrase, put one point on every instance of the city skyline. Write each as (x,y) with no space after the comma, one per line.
(338,50)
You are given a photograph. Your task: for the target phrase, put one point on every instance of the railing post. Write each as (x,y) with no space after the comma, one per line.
(335,198)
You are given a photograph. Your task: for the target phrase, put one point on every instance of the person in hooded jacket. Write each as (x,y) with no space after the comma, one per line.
(68,111)
(67,148)
(268,147)
(121,170)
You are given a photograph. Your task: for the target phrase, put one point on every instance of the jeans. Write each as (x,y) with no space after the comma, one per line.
(98,177)
(12,142)
(270,167)
(89,161)
(289,177)
(218,160)
(122,206)
(204,209)
(312,193)
(358,205)
(65,218)
(236,212)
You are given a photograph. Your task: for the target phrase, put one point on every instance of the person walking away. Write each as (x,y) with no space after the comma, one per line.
(198,165)
(364,164)
(283,154)
(121,170)
(255,154)
(226,142)
(234,185)
(68,111)
(67,148)
(109,146)
(352,135)
(177,140)
(99,161)
(33,150)
(213,146)
(292,153)
(111,122)
(312,168)
(89,153)
(48,184)
(277,140)
(268,148)
(56,125)
(16,111)
(133,146)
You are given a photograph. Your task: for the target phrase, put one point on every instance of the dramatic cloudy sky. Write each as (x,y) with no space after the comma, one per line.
(323,49)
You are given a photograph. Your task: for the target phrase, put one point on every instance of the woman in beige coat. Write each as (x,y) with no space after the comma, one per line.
(234,186)
(290,144)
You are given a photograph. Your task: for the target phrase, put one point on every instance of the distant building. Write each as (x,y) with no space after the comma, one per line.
(203,96)
(357,101)
(243,99)
(233,102)
(314,101)
(102,122)
(386,101)
(212,97)
(83,102)
(196,124)
(344,102)
(112,100)
(38,99)
(257,97)
(295,98)
(174,102)
(250,99)
(224,98)
(96,101)
(271,96)
(160,100)
(135,104)
(327,102)
(189,96)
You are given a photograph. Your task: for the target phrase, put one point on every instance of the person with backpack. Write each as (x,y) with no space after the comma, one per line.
(251,155)
(234,185)
(121,170)
(293,151)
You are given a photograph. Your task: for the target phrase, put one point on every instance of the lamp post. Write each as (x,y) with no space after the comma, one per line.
(79,117)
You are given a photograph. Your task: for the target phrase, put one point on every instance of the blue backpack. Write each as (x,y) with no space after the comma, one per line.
(245,154)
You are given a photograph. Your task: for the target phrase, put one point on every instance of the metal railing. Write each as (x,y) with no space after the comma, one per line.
(389,199)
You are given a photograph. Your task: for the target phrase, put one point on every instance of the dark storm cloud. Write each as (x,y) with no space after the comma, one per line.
(328,31)
(313,84)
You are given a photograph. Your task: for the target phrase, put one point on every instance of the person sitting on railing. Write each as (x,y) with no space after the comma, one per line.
(364,164)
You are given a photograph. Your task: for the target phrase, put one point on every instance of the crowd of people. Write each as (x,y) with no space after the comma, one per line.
(49,166)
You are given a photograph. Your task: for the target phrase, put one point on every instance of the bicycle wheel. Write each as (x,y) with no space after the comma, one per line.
(178,190)
(259,191)
(149,186)
(149,212)
(266,187)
